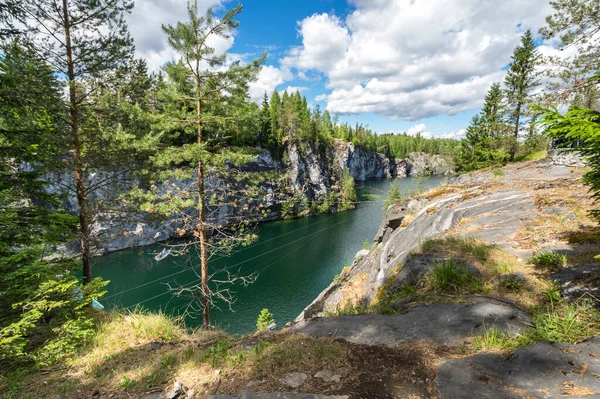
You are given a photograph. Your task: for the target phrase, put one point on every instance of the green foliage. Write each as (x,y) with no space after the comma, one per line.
(366,245)
(582,127)
(348,195)
(451,277)
(497,172)
(394,194)
(549,260)
(265,319)
(521,79)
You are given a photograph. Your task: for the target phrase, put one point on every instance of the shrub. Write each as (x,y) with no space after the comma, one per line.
(366,245)
(265,319)
(549,260)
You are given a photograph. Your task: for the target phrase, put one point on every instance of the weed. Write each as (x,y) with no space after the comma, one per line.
(126,383)
(450,277)
(512,282)
(549,260)
(366,245)
(570,323)
(494,339)
(497,172)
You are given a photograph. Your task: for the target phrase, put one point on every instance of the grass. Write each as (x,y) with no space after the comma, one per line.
(532,156)
(549,260)
(451,277)
(497,172)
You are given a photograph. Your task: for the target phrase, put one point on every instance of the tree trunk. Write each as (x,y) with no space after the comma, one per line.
(202,229)
(513,147)
(79,179)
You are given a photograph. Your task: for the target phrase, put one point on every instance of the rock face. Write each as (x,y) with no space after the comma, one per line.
(442,323)
(303,170)
(364,165)
(543,370)
(471,208)
(565,157)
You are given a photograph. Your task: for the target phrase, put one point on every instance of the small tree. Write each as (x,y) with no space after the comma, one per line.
(200,96)
(394,194)
(265,319)
(520,81)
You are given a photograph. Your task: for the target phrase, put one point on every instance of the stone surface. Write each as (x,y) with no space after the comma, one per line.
(275,395)
(293,380)
(578,281)
(543,370)
(328,376)
(176,392)
(442,323)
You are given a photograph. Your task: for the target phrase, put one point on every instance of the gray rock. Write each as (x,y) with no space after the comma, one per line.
(543,370)
(155,395)
(176,392)
(442,323)
(393,218)
(275,395)
(566,157)
(294,380)
(328,376)
(573,282)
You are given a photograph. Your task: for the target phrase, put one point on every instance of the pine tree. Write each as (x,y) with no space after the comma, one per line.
(520,81)
(574,23)
(200,85)
(37,297)
(61,31)
(266,138)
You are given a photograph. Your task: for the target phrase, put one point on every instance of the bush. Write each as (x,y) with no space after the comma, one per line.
(549,260)
(265,319)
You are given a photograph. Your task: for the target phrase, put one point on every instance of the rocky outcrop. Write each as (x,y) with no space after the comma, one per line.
(364,165)
(494,216)
(566,157)
(442,323)
(543,370)
(303,173)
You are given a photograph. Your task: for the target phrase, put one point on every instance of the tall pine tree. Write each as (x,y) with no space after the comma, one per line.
(520,80)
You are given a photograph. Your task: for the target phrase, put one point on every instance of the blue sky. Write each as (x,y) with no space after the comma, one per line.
(395,65)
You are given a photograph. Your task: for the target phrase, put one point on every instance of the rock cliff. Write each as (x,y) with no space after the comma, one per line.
(303,173)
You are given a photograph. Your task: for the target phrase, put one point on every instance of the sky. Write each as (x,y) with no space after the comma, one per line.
(416,66)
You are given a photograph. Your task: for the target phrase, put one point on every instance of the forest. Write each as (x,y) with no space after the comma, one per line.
(80,105)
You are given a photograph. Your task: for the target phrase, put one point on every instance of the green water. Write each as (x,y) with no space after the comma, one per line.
(295,261)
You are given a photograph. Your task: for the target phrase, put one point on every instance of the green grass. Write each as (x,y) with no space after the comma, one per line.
(497,172)
(531,156)
(451,277)
(549,260)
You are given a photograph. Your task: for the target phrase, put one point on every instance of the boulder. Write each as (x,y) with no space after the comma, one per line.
(543,370)
(294,380)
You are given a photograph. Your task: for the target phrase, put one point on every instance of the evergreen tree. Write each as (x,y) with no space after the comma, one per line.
(520,81)
(195,101)
(266,137)
(61,31)
(574,23)
(37,297)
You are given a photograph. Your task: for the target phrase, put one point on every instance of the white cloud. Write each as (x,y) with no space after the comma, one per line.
(145,24)
(414,130)
(321,97)
(324,41)
(269,78)
(294,89)
(411,59)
